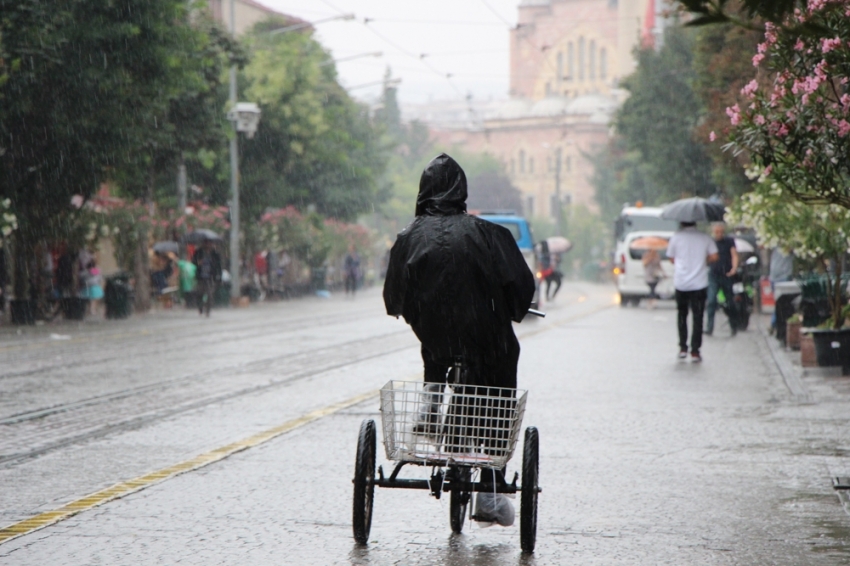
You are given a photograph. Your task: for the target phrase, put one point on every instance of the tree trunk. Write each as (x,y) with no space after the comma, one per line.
(141,268)
(21,252)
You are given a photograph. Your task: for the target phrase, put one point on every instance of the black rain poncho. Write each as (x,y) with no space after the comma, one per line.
(458,281)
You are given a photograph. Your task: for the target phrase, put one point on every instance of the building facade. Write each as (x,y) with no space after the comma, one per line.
(567,58)
(246,12)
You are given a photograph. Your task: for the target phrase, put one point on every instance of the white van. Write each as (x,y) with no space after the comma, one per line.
(631,282)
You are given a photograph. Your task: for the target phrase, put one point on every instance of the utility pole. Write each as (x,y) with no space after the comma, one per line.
(558,222)
(235,279)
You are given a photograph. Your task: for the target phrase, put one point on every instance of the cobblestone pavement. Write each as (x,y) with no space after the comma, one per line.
(644,459)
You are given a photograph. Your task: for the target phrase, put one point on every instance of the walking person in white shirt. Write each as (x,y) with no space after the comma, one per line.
(691,251)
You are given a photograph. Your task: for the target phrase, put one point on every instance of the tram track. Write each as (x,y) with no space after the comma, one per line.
(17,444)
(164,345)
(29,434)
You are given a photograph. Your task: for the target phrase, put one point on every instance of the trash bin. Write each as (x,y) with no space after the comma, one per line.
(74,308)
(318,276)
(118,296)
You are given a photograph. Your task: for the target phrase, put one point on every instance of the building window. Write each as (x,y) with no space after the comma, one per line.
(581,58)
(513,166)
(548,162)
(560,70)
(531,165)
(522,161)
(570,62)
(603,64)
(591,61)
(529,206)
(568,163)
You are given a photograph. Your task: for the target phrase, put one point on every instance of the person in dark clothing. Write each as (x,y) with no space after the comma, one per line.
(458,281)
(720,275)
(351,270)
(207,274)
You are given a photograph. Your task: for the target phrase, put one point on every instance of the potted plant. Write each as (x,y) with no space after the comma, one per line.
(819,233)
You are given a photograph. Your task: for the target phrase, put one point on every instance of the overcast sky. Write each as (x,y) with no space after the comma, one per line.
(467,39)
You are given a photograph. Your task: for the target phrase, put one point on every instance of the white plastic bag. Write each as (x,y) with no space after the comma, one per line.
(494,508)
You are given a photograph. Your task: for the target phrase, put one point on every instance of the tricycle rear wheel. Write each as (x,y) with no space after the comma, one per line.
(528,497)
(364,481)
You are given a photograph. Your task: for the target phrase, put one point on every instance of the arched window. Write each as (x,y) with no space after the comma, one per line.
(560,71)
(581,58)
(571,56)
(603,64)
(522,161)
(591,61)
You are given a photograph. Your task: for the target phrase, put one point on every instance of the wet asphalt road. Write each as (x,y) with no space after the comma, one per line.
(644,459)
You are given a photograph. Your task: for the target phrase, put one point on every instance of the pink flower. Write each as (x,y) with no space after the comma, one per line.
(750,90)
(799,45)
(843,128)
(712,136)
(768,170)
(757,59)
(734,114)
(828,45)
(759,119)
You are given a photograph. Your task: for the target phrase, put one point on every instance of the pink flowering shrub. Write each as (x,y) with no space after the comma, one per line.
(794,120)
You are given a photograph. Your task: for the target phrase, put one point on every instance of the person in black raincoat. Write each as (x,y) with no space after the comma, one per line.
(458,281)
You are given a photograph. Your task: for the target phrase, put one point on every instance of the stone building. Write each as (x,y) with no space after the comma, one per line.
(247,12)
(566,60)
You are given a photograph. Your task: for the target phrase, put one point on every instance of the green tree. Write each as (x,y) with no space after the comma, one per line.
(621,176)
(660,115)
(314,145)
(83,78)
(722,66)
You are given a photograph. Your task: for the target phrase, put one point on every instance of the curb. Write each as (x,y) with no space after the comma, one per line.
(790,375)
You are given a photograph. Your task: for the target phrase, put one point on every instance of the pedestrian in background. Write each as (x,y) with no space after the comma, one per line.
(781,270)
(720,277)
(94,287)
(207,274)
(691,251)
(352,270)
(653,273)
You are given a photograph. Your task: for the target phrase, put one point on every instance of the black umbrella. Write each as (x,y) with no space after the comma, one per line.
(166,247)
(198,236)
(694,210)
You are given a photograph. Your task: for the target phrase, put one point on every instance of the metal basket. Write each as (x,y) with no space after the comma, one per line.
(436,424)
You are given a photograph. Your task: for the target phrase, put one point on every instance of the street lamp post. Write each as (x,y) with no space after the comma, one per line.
(245,117)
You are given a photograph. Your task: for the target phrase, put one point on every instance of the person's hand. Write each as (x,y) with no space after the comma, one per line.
(731,273)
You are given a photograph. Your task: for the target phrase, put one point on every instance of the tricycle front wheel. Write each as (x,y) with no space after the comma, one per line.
(364,481)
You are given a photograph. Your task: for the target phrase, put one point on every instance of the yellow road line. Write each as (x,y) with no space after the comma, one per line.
(124,488)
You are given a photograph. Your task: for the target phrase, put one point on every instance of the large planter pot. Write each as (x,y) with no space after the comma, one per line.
(833,348)
(74,308)
(808,356)
(792,334)
(22,311)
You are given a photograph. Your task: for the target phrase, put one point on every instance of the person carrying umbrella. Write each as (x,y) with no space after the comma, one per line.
(207,274)
(691,251)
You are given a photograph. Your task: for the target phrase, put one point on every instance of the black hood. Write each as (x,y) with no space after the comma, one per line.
(442,188)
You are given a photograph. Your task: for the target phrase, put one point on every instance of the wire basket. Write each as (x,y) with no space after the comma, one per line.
(438,424)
